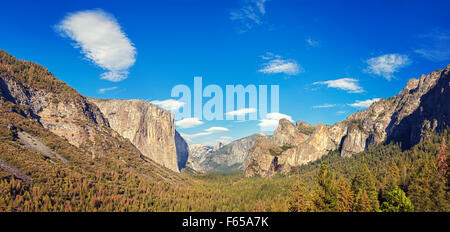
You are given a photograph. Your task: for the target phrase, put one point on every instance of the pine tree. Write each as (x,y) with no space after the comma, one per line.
(396,201)
(364,180)
(426,189)
(299,201)
(326,192)
(391,180)
(362,202)
(345,196)
(443,159)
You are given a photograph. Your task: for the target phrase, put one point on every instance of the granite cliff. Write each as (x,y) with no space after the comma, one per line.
(222,158)
(45,116)
(150,128)
(421,108)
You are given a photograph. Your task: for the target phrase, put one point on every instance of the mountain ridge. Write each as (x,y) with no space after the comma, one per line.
(221,158)
(406,118)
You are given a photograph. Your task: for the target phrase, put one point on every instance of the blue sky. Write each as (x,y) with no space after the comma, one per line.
(329,58)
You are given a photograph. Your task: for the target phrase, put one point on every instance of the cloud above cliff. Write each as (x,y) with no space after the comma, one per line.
(364,104)
(209,131)
(188,122)
(101,41)
(347,84)
(435,45)
(104,90)
(270,123)
(216,129)
(169,104)
(324,106)
(387,65)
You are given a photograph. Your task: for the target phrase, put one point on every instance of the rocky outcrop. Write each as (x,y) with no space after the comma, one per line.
(53,104)
(150,128)
(49,130)
(292,145)
(421,108)
(222,158)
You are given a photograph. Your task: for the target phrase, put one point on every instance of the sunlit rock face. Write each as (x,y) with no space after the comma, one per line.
(221,158)
(418,110)
(150,128)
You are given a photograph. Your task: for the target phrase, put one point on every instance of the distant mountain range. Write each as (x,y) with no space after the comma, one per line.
(222,158)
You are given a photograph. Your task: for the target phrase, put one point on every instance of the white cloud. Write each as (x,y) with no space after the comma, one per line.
(209,131)
(387,65)
(169,104)
(190,137)
(364,104)
(434,54)
(435,45)
(276,64)
(241,112)
(311,42)
(104,90)
(341,112)
(324,106)
(188,122)
(101,40)
(216,129)
(278,116)
(250,14)
(270,123)
(348,84)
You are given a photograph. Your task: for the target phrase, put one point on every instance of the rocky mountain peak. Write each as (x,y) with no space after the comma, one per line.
(221,158)
(419,109)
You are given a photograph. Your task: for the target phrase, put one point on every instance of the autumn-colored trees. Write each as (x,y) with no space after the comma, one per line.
(383,178)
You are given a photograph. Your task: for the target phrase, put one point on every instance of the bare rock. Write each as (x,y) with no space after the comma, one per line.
(150,128)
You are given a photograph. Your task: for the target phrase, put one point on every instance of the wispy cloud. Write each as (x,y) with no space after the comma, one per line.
(208,131)
(104,90)
(250,14)
(324,106)
(436,45)
(312,43)
(276,64)
(387,65)
(347,84)
(190,137)
(169,104)
(364,104)
(188,122)
(216,129)
(101,41)
(270,123)
(241,112)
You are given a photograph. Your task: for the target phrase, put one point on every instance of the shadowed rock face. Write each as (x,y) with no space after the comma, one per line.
(150,128)
(182,150)
(421,108)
